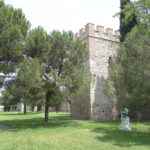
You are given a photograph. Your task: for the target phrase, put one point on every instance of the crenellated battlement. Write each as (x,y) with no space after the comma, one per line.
(99,32)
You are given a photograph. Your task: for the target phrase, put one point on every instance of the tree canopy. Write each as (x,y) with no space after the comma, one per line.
(13,29)
(130,71)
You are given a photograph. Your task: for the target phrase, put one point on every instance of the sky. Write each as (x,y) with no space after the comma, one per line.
(69,14)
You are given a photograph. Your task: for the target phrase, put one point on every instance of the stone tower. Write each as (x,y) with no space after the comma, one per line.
(102,45)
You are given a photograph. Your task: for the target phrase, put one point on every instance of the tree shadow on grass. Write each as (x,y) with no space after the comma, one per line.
(33,123)
(123,138)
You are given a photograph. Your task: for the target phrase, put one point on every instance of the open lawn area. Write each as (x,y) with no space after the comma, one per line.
(28,132)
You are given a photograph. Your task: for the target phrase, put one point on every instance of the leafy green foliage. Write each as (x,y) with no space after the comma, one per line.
(13,29)
(37,44)
(29,80)
(62,57)
(130,72)
(27,88)
(128,18)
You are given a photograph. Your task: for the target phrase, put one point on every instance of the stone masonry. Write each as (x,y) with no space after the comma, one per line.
(102,44)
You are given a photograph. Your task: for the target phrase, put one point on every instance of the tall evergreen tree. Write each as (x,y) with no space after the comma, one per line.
(127,18)
(130,72)
(13,30)
(62,57)
(27,87)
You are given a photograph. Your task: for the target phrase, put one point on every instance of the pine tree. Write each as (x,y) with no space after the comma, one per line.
(128,18)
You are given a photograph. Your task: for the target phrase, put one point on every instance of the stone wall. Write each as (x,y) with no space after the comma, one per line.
(80,104)
(65,107)
(102,44)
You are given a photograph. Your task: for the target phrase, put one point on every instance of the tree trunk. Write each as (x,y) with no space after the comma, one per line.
(46,111)
(57,108)
(6,108)
(32,107)
(39,108)
(25,108)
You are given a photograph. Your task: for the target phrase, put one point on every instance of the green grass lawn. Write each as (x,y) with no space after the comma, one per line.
(28,132)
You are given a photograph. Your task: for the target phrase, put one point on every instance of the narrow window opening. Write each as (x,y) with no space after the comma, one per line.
(110,60)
